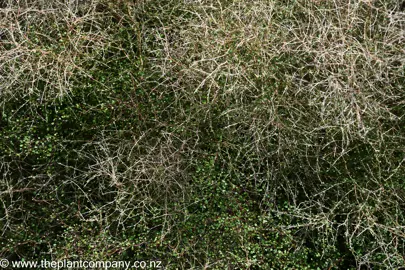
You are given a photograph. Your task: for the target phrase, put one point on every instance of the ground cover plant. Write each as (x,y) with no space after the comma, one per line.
(208,134)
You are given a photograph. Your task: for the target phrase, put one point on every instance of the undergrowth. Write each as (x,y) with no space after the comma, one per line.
(206,134)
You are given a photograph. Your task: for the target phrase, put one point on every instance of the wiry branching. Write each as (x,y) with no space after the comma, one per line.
(299,102)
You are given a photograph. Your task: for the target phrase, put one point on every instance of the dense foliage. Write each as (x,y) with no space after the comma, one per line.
(207,134)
